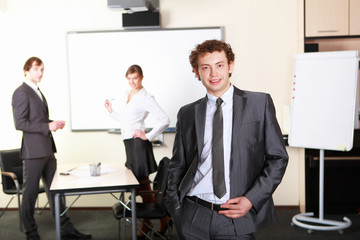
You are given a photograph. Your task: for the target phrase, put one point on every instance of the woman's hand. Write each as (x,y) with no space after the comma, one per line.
(139,134)
(108,106)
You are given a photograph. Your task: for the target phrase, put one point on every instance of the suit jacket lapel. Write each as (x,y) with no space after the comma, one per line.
(239,103)
(44,102)
(200,115)
(36,96)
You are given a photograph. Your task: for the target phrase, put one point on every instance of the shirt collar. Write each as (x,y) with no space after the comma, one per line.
(226,97)
(31,84)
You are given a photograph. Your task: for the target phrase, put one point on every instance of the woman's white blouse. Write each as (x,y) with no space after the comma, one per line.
(132,115)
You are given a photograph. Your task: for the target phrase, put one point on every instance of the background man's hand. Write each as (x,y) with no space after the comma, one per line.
(55,125)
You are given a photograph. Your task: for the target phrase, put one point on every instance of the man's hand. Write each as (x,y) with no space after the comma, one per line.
(55,125)
(238,207)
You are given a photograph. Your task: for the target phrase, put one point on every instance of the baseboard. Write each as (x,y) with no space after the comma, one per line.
(287,207)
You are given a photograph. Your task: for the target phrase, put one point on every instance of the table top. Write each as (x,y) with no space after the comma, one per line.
(113,176)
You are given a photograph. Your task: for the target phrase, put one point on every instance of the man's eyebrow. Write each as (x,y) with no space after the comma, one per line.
(204,64)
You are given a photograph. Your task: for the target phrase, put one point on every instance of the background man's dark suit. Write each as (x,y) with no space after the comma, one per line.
(31,116)
(37,151)
(258,156)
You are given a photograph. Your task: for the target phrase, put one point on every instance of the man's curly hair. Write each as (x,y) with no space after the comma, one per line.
(210,46)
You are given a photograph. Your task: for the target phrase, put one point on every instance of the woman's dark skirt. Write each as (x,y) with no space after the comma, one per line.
(140,157)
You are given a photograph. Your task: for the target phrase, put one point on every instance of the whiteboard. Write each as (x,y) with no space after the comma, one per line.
(324,99)
(97,62)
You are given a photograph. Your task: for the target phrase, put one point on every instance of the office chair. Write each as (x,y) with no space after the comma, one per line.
(12,178)
(156,210)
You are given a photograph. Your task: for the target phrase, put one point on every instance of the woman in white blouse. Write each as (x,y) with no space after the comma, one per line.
(136,107)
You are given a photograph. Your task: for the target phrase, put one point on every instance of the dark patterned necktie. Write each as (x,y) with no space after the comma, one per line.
(44,101)
(218,152)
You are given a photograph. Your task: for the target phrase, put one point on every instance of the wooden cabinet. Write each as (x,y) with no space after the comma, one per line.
(354,17)
(326,18)
(332,18)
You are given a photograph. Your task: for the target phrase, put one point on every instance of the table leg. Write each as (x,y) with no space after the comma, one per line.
(57,216)
(133,214)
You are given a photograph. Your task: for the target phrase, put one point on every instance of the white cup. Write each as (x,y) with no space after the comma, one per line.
(95,169)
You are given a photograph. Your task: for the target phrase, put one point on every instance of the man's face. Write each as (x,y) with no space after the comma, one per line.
(214,71)
(35,73)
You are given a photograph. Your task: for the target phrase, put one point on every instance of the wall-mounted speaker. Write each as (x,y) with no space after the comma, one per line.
(146,19)
(311,47)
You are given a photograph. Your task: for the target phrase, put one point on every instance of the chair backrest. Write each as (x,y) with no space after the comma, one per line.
(10,162)
(160,181)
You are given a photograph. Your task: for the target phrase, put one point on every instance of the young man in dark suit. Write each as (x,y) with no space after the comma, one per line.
(222,176)
(31,116)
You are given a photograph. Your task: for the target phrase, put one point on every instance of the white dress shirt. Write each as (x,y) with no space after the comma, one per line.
(203,184)
(132,115)
(33,86)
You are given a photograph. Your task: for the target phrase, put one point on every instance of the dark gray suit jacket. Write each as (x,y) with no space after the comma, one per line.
(258,156)
(32,118)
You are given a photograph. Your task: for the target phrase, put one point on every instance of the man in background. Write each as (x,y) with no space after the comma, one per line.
(228,155)
(31,116)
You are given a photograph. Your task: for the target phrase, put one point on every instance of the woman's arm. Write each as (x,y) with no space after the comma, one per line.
(162,120)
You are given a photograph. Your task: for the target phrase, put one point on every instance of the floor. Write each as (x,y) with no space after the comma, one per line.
(103,226)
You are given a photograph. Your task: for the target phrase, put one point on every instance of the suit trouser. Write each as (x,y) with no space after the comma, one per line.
(33,170)
(195,222)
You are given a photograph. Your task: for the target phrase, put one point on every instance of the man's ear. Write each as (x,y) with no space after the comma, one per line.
(196,73)
(231,66)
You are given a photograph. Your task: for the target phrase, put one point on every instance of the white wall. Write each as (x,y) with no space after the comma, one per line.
(264,35)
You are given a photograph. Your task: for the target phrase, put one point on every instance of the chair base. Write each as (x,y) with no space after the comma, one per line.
(6,207)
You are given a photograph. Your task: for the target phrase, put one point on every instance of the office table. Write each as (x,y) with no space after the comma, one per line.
(113,178)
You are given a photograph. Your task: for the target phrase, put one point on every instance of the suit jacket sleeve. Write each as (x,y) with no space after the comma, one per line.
(275,160)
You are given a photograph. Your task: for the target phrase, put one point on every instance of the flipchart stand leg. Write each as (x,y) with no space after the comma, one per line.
(322,224)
